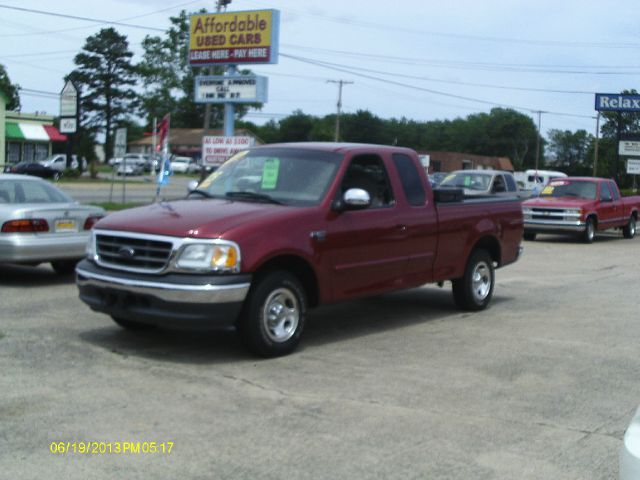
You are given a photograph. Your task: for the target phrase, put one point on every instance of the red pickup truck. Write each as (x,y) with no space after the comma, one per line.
(580,205)
(281,228)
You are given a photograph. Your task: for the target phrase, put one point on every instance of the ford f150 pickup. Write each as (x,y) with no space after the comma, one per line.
(582,206)
(281,228)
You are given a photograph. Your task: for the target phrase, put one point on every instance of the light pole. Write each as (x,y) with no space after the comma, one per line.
(340,84)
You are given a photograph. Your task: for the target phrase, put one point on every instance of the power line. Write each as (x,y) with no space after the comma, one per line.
(459,36)
(100,22)
(84,19)
(488,66)
(428,90)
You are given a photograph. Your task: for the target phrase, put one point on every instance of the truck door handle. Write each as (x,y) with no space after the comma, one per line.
(402,228)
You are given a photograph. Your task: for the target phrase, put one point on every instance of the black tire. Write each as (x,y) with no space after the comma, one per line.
(629,230)
(281,294)
(64,267)
(529,236)
(589,233)
(474,290)
(131,325)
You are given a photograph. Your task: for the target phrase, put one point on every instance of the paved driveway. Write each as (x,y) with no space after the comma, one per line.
(539,386)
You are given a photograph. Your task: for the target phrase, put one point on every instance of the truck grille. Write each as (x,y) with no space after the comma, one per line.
(133,253)
(547,214)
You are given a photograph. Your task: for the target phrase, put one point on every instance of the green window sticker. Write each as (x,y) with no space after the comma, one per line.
(270,172)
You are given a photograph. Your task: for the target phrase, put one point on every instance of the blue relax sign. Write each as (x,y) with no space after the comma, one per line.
(617,102)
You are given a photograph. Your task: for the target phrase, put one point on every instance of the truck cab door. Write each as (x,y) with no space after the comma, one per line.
(608,211)
(363,249)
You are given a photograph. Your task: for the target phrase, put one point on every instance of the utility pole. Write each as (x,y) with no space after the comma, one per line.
(220,4)
(595,150)
(540,112)
(340,84)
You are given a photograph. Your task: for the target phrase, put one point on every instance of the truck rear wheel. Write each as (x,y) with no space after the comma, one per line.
(474,290)
(629,230)
(273,316)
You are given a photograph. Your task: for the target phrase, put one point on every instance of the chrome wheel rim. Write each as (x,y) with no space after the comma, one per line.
(590,231)
(632,227)
(281,315)
(481,281)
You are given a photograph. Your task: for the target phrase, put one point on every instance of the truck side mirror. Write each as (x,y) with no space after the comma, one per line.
(353,199)
(192,185)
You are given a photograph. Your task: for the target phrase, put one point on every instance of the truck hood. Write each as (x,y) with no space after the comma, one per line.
(557,202)
(191,218)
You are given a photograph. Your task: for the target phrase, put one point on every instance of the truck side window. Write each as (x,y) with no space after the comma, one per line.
(614,191)
(368,173)
(605,193)
(511,183)
(498,184)
(410,179)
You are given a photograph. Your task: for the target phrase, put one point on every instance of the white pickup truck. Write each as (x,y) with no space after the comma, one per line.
(58,161)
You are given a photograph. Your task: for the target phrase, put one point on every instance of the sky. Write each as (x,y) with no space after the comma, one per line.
(418,59)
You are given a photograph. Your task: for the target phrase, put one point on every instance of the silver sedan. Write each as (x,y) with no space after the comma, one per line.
(40,223)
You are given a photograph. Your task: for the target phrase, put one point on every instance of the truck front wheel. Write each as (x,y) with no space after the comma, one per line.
(589,233)
(474,290)
(273,315)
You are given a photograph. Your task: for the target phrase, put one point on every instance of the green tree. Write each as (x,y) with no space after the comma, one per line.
(11,90)
(571,151)
(105,75)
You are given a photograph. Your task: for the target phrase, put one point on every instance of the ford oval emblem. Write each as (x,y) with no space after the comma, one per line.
(126,252)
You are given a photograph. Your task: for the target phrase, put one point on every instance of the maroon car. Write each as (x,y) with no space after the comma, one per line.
(282,228)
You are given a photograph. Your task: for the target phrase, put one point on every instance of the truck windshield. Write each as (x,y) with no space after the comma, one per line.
(285,175)
(570,188)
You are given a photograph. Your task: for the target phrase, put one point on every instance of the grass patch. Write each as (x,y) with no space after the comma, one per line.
(116,206)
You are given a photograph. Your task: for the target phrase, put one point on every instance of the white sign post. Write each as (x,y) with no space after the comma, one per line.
(217,149)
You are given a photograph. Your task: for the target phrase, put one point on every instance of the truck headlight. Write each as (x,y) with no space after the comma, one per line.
(90,249)
(218,257)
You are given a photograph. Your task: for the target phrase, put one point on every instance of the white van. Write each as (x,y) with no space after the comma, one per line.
(536,179)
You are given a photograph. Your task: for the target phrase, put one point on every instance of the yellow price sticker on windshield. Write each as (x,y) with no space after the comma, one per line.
(548,190)
(270,172)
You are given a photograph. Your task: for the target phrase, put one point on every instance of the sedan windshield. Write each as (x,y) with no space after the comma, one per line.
(30,191)
(468,180)
(275,175)
(570,188)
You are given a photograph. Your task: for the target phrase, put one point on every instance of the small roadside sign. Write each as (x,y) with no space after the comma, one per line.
(633,166)
(120,143)
(629,147)
(68,125)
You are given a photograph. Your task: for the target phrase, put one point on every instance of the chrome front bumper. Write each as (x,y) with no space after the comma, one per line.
(165,291)
(554,225)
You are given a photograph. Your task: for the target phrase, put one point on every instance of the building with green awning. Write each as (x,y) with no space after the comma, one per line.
(29,137)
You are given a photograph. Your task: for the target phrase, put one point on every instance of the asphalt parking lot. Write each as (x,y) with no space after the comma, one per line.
(539,386)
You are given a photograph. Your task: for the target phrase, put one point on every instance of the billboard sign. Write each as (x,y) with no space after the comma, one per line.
(237,89)
(217,149)
(629,147)
(633,166)
(616,102)
(249,36)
